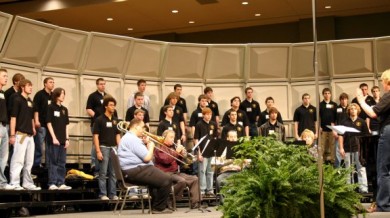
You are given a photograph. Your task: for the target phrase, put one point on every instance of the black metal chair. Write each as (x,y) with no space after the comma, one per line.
(125,187)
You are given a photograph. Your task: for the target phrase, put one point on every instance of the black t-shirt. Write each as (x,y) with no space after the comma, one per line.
(327,114)
(306,118)
(369,100)
(181,103)
(106,129)
(130,114)
(165,124)
(374,122)
(264,117)
(352,140)
(196,116)
(202,128)
(42,100)
(214,108)
(341,114)
(382,110)
(177,114)
(242,119)
(252,110)
(58,116)
(95,103)
(23,111)
(3,108)
(235,127)
(9,96)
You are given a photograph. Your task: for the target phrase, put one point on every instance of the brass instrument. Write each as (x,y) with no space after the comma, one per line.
(123,126)
(187,159)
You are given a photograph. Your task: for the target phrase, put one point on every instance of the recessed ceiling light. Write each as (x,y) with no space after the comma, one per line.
(191,21)
(257,15)
(175,11)
(110,19)
(130,29)
(244,3)
(328,7)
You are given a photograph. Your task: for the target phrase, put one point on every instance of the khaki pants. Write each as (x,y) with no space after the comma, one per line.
(327,142)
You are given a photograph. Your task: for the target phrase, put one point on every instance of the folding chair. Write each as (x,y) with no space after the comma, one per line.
(125,187)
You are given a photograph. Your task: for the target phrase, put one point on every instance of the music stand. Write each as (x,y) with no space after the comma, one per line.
(201,147)
(222,145)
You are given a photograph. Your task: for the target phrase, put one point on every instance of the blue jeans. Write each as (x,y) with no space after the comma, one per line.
(383,171)
(253,131)
(4,147)
(39,138)
(57,168)
(206,175)
(106,170)
(94,160)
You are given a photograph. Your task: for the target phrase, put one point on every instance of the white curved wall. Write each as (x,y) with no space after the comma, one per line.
(285,71)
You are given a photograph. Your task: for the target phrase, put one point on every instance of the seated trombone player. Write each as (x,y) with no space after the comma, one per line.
(166,160)
(137,166)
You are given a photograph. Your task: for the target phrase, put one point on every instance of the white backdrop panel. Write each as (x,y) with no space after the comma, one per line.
(352,57)
(298,89)
(106,54)
(225,63)
(279,92)
(268,62)
(68,48)
(190,93)
(145,59)
(5,23)
(32,74)
(27,42)
(184,62)
(223,94)
(70,83)
(383,54)
(113,87)
(153,90)
(302,61)
(349,86)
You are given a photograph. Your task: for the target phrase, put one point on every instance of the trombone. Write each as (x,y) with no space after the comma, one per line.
(123,126)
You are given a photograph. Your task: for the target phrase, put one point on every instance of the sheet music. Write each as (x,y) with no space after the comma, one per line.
(200,141)
(340,129)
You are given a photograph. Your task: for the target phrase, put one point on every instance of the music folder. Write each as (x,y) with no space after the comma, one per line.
(340,129)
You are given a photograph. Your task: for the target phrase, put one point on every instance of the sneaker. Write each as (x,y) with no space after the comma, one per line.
(53,187)
(32,188)
(115,198)
(8,187)
(210,194)
(134,197)
(64,187)
(104,198)
(18,188)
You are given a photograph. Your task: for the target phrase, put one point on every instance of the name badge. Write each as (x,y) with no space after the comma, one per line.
(267,117)
(240,122)
(56,113)
(29,104)
(271,131)
(329,106)
(2,96)
(48,102)
(200,115)
(101,101)
(211,131)
(170,128)
(339,110)
(109,124)
(248,109)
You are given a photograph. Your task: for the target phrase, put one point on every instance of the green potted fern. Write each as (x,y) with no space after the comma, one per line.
(282,181)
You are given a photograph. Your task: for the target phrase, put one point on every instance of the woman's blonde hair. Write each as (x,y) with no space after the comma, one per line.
(307,132)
